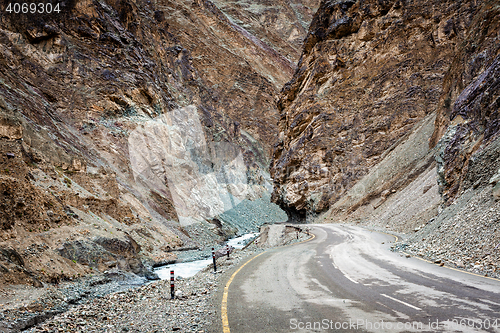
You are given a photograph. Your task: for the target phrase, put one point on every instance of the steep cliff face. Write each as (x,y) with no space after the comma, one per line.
(465,233)
(279,23)
(86,97)
(370,72)
(467,123)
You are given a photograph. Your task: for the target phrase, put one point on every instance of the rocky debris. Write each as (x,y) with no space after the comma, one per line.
(464,235)
(116,301)
(14,270)
(145,309)
(280,235)
(249,215)
(149,308)
(52,300)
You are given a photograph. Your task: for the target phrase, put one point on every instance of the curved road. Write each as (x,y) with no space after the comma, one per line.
(346,279)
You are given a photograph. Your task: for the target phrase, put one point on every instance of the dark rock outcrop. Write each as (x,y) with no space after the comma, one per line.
(468,122)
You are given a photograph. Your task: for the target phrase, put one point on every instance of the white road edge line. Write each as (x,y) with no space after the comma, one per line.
(349,278)
(486,301)
(341,271)
(397,300)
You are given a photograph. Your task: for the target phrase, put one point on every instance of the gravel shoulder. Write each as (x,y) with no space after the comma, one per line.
(121,303)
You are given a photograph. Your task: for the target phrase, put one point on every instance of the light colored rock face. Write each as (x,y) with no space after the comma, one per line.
(369,73)
(87,90)
(170,155)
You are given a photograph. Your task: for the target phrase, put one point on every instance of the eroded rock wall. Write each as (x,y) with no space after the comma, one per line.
(465,233)
(402,135)
(76,86)
(467,123)
(370,72)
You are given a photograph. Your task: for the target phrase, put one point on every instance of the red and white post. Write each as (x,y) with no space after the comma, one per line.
(172,295)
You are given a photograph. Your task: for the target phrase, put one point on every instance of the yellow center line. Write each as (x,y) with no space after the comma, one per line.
(225,320)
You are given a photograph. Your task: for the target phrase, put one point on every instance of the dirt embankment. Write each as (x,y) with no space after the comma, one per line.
(370,72)
(276,235)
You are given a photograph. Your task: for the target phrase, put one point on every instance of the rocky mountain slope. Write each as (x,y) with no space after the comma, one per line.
(280,23)
(391,120)
(370,71)
(128,127)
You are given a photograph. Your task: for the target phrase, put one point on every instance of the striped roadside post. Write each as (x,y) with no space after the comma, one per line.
(213,257)
(172,295)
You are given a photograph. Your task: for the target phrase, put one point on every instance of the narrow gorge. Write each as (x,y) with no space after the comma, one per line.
(134,133)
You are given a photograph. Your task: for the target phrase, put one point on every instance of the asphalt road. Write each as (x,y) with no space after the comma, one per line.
(347,280)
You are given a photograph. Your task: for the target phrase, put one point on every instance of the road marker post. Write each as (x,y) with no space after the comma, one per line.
(172,294)
(213,257)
